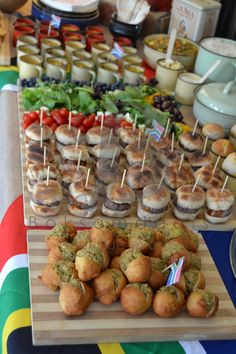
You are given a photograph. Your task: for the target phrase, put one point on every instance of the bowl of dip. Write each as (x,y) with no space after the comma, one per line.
(212,49)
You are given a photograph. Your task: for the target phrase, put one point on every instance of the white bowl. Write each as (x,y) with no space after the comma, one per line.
(152,55)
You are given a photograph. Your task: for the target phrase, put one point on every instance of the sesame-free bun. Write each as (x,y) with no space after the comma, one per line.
(197,159)
(136,157)
(120,195)
(128,135)
(191,142)
(222,147)
(213,131)
(175,178)
(233,131)
(66,136)
(83,195)
(71,152)
(145,215)
(105,151)
(107,173)
(219,205)
(138,179)
(35,153)
(207,180)
(33,132)
(168,157)
(82,213)
(217,200)
(43,210)
(97,136)
(229,164)
(188,204)
(38,172)
(155,198)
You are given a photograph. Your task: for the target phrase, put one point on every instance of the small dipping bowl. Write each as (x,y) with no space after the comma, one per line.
(185,86)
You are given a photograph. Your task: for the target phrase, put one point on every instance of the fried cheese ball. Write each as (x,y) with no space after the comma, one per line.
(135,266)
(168,301)
(54,274)
(202,303)
(136,298)
(108,286)
(91,260)
(75,297)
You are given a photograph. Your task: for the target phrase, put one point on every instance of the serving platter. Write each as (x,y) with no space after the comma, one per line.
(30,219)
(103,323)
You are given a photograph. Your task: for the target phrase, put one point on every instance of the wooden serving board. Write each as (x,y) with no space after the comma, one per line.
(5,46)
(103,323)
(30,219)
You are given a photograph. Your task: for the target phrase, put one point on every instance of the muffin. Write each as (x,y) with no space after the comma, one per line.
(108,286)
(135,266)
(75,297)
(136,298)
(168,301)
(91,260)
(213,131)
(202,303)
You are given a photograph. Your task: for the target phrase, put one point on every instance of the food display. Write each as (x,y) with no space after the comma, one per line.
(182,46)
(136,275)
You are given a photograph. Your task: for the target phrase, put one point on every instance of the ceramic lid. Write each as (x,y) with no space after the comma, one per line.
(219,97)
(203,4)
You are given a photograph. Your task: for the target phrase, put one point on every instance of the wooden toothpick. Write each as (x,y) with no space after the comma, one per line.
(162,178)
(214,169)
(205,145)
(167,127)
(144,158)
(102,122)
(48,173)
(41,117)
(225,182)
(181,161)
(110,136)
(87,178)
(41,137)
(139,139)
(77,139)
(147,143)
(69,124)
(44,155)
(172,141)
(135,122)
(113,157)
(195,185)
(79,159)
(195,127)
(123,179)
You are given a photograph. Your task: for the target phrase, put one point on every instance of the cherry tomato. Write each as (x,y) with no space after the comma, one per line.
(48,121)
(54,126)
(25,116)
(110,121)
(83,129)
(125,124)
(27,122)
(92,117)
(64,112)
(57,118)
(87,123)
(33,115)
(77,120)
(96,124)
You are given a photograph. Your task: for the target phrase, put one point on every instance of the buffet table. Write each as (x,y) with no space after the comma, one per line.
(15,319)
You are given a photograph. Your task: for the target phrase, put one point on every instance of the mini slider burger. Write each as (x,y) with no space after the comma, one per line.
(222,148)
(197,159)
(138,178)
(162,143)
(166,157)
(70,155)
(65,135)
(153,203)
(190,142)
(72,175)
(33,134)
(82,201)
(219,205)
(35,154)
(229,169)
(45,199)
(118,200)
(128,136)
(135,153)
(208,179)
(106,174)
(96,136)
(213,132)
(105,151)
(188,202)
(175,177)
(38,172)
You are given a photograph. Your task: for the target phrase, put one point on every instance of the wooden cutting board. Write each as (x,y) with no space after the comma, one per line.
(109,323)
(30,219)
(5,46)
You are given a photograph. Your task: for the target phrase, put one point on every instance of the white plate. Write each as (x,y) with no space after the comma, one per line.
(81,6)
